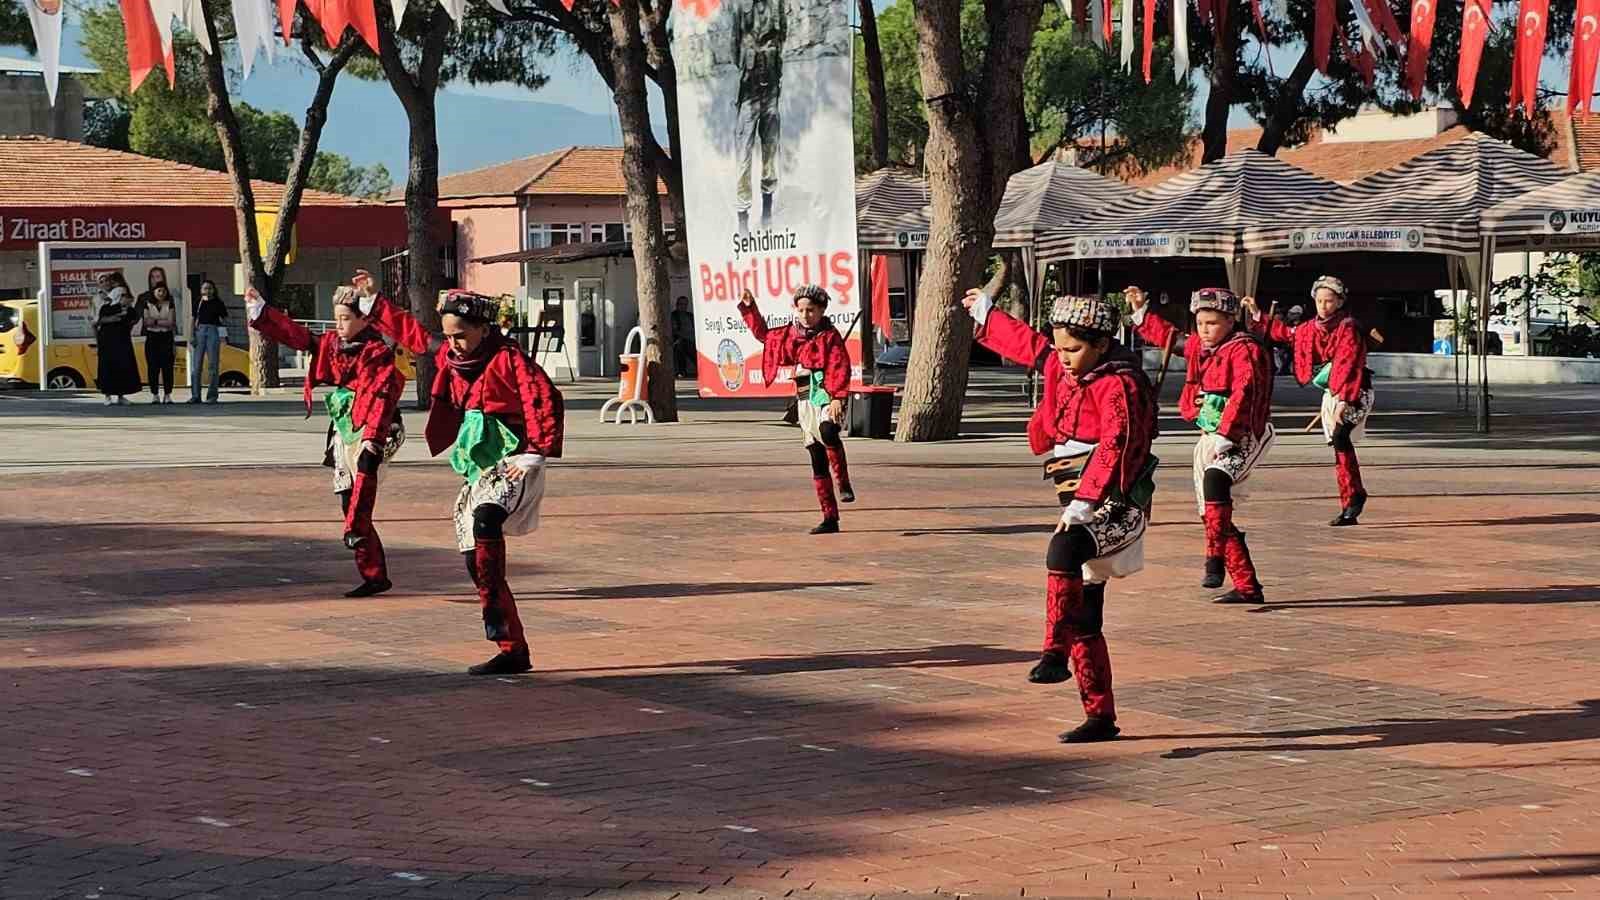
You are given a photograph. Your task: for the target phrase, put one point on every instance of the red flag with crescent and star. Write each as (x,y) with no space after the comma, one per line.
(1149,35)
(1529,54)
(144,43)
(1322,37)
(1418,44)
(1474,28)
(1585,55)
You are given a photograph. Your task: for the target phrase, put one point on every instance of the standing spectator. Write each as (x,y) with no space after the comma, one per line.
(210,314)
(159,313)
(683,338)
(118,371)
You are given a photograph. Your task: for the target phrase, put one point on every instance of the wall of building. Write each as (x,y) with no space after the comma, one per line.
(607,289)
(25,107)
(487,231)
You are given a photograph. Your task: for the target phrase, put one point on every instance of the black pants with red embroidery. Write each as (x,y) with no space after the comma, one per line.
(1346,467)
(828,465)
(358,504)
(1074,617)
(1224,540)
(486,563)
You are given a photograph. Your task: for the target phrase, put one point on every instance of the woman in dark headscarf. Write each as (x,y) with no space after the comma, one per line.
(118,374)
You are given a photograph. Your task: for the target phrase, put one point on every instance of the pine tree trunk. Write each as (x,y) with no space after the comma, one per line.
(876,91)
(967,170)
(644,207)
(1286,111)
(1224,60)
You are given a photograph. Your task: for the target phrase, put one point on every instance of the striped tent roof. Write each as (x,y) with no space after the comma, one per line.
(1048,194)
(890,202)
(1562,215)
(1430,203)
(1202,212)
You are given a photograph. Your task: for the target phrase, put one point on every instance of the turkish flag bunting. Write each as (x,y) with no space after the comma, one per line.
(1361,58)
(334,16)
(364,19)
(1105,21)
(144,43)
(1080,15)
(1204,7)
(1418,45)
(1149,35)
(1322,39)
(881,314)
(1474,28)
(286,10)
(1585,54)
(1529,53)
(1261,25)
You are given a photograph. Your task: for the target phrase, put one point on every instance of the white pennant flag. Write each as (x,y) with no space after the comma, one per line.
(500,7)
(1180,40)
(1369,31)
(1097,22)
(186,11)
(456,8)
(399,8)
(1127,34)
(45,17)
(253,20)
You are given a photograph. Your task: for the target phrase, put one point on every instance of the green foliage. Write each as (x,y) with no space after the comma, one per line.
(337,174)
(14,27)
(1070,89)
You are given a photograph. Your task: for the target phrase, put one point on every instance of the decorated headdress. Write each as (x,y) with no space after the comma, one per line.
(1218,299)
(347,296)
(1332,284)
(470,306)
(1089,313)
(816,293)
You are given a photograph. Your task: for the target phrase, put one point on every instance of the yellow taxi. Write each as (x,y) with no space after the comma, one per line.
(73,366)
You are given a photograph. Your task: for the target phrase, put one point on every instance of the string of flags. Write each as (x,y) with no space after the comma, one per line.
(148,26)
(1377,34)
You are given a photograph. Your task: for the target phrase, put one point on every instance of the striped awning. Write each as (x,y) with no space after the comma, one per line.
(1202,212)
(892,210)
(1564,215)
(1048,194)
(1431,203)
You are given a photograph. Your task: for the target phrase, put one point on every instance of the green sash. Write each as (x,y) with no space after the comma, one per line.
(1210,415)
(481,444)
(1144,487)
(339,403)
(1324,375)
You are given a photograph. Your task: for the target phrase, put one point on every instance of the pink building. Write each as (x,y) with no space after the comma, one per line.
(565,197)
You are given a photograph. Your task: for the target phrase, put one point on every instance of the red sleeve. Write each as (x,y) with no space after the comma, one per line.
(1349,362)
(543,408)
(1273,330)
(1014,340)
(756,322)
(385,385)
(1156,331)
(1106,467)
(399,324)
(275,325)
(1243,388)
(836,365)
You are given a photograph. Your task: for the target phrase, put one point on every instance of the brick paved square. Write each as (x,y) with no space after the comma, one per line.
(725,707)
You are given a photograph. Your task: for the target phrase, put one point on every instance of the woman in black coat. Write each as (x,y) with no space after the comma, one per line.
(118,374)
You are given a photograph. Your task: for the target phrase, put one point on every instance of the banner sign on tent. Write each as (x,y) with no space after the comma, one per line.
(911,240)
(1133,245)
(72,298)
(1399,239)
(1573,221)
(765,91)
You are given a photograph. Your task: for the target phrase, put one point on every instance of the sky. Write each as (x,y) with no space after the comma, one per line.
(483,125)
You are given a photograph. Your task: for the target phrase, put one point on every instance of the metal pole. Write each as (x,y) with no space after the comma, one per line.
(1487,277)
(1455,324)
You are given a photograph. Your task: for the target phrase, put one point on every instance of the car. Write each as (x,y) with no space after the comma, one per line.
(73,366)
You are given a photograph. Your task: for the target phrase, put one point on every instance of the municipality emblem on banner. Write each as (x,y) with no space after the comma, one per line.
(1297,240)
(1413,238)
(730,364)
(1180,245)
(1558,220)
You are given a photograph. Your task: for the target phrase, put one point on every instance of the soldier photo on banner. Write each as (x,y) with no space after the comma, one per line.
(765,94)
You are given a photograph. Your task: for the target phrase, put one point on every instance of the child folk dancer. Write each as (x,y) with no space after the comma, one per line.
(1096,420)
(501,418)
(1227,392)
(1330,352)
(364,429)
(821,380)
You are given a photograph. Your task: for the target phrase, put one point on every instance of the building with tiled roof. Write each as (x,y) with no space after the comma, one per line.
(58,190)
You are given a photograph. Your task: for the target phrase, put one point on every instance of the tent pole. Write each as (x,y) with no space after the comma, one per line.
(1487,277)
(1455,325)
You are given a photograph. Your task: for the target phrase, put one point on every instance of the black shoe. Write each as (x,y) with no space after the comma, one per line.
(1214,573)
(846,495)
(514,663)
(828,526)
(370,588)
(1050,669)
(352,540)
(1350,515)
(1234,597)
(744,222)
(1093,729)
